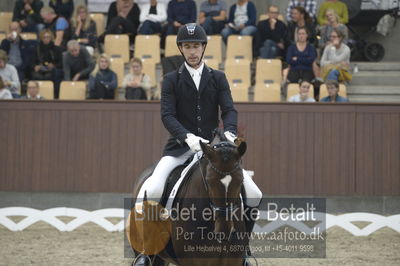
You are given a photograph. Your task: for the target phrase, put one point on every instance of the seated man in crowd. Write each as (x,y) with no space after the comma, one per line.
(152,16)
(180,12)
(27,14)
(58,25)
(5,93)
(32,91)
(333,91)
(77,62)
(242,20)
(212,16)
(19,50)
(339,7)
(309,5)
(9,75)
(271,34)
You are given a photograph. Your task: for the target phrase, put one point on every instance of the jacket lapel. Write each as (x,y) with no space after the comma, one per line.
(205,77)
(185,75)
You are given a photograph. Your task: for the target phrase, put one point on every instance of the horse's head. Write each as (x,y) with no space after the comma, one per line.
(223,179)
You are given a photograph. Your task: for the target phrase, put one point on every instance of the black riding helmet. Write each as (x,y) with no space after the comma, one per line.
(192,32)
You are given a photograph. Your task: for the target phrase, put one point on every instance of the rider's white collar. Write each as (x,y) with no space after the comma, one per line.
(195,73)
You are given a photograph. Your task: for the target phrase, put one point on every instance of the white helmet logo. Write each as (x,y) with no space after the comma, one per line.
(190,28)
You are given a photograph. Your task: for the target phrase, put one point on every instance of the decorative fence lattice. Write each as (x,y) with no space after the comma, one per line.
(99,217)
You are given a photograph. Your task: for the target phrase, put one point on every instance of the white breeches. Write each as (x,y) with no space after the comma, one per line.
(154,185)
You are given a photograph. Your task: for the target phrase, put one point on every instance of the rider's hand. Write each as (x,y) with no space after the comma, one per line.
(193,142)
(230,136)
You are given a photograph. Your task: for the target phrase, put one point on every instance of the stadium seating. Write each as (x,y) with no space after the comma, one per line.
(170,46)
(46,89)
(149,68)
(239,47)
(240,92)
(214,48)
(213,63)
(268,71)
(118,66)
(267,92)
(99,19)
(148,47)
(73,90)
(238,71)
(117,45)
(5,21)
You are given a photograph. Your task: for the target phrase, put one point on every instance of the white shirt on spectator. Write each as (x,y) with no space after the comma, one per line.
(241,14)
(297,99)
(161,13)
(5,94)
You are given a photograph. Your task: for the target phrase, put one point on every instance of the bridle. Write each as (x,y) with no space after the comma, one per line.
(228,208)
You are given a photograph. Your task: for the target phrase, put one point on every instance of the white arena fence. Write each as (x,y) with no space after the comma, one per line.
(99,217)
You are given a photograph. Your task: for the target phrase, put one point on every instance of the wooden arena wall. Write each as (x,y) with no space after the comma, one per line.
(294,149)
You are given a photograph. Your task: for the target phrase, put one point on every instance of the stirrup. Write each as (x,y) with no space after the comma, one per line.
(246,261)
(147,257)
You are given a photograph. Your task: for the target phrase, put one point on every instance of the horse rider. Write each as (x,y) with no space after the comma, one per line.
(191,97)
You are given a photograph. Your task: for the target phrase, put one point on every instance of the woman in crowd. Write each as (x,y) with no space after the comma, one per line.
(326,30)
(83,28)
(136,84)
(103,81)
(300,19)
(335,61)
(300,58)
(47,60)
(303,96)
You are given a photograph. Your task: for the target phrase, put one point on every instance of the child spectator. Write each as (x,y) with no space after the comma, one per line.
(303,96)
(333,91)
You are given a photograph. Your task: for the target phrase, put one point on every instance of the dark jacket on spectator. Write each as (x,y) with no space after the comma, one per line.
(63,8)
(90,34)
(131,21)
(182,12)
(106,77)
(46,54)
(266,33)
(30,18)
(304,60)
(251,13)
(83,64)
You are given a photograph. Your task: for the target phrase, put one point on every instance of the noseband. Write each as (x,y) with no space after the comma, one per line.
(223,210)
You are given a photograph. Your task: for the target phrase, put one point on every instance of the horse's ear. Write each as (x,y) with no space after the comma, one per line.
(207,150)
(242,148)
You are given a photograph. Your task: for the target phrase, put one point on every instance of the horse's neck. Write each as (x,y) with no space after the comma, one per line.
(195,186)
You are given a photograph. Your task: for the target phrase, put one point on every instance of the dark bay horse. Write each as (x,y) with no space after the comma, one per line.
(201,228)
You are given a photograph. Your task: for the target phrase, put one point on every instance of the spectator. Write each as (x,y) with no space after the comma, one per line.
(63,8)
(5,93)
(272,33)
(9,75)
(32,91)
(333,91)
(57,24)
(339,7)
(103,81)
(335,60)
(309,5)
(136,84)
(180,12)
(303,96)
(83,28)
(332,23)
(47,60)
(152,16)
(242,19)
(300,19)
(212,16)
(122,18)
(19,50)
(300,58)
(77,62)
(27,14)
